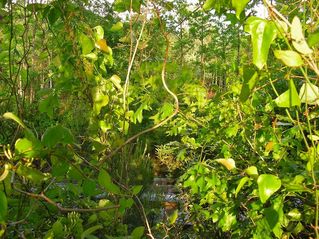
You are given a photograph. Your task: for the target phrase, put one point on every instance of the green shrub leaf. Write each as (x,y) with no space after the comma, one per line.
(268,184)
(289,58)
(289,98)
(263,33)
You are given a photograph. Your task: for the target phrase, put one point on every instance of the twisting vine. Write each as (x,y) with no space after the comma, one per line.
(163,77)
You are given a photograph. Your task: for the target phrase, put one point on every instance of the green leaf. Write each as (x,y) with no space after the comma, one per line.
(27,148)
(86,43)
(294,215)
(105,181)
(289,58)
(92,56)
(89,187)
(137,233)
(15,118)
(136,189)
(241,183)
(252,171)
(172,218)
(298,38)
(309,93)
(239,6)
(275,216)
(53,15)
(90,230)
(250,77)
(208,5)
(125,204)
(289,98)
(57,135)
(58,229)
(32,174)
(313,39)
(48,105)
(3,207)
(116,80)
(268,184)
(98,33)
(124,5)
(263,33)
(99,99)
(117,27)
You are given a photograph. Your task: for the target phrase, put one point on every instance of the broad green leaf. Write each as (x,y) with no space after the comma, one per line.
(116,80)
(59,167)
(48,105)
(289,98)
(104,126)
(289,58)
(227,221)
(252,171)
(99,33)
(313,137)
(137,233)
(3,207)
(208,5)
(263,33)
(92,56)
(275,216)
(125,204)
(54,15)
(313,39)
(172,218)
(298,228)
(136,189)
(99,99)
(105,181)
(86,43)
(32,174)
(268,184)
(239,6)
(309,93)
(241,183)
(27,148)
(58,229)
(229,163)
(117,27)
(57,135)
(294,215)
(250,78)
(89,187)
(298,38)
(90,230)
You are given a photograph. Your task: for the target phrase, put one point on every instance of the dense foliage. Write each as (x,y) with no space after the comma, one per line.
(98,98)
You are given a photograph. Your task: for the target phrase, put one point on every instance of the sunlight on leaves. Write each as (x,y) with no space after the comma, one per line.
(268,184)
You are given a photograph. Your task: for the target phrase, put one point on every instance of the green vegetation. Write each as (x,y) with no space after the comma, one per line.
(159,119)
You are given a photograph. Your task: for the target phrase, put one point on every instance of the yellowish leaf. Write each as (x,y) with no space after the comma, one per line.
(298,38)
(228,163)
(102,45)
(269,146)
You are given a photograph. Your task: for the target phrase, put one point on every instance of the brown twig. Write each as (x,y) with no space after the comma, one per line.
(61,208)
